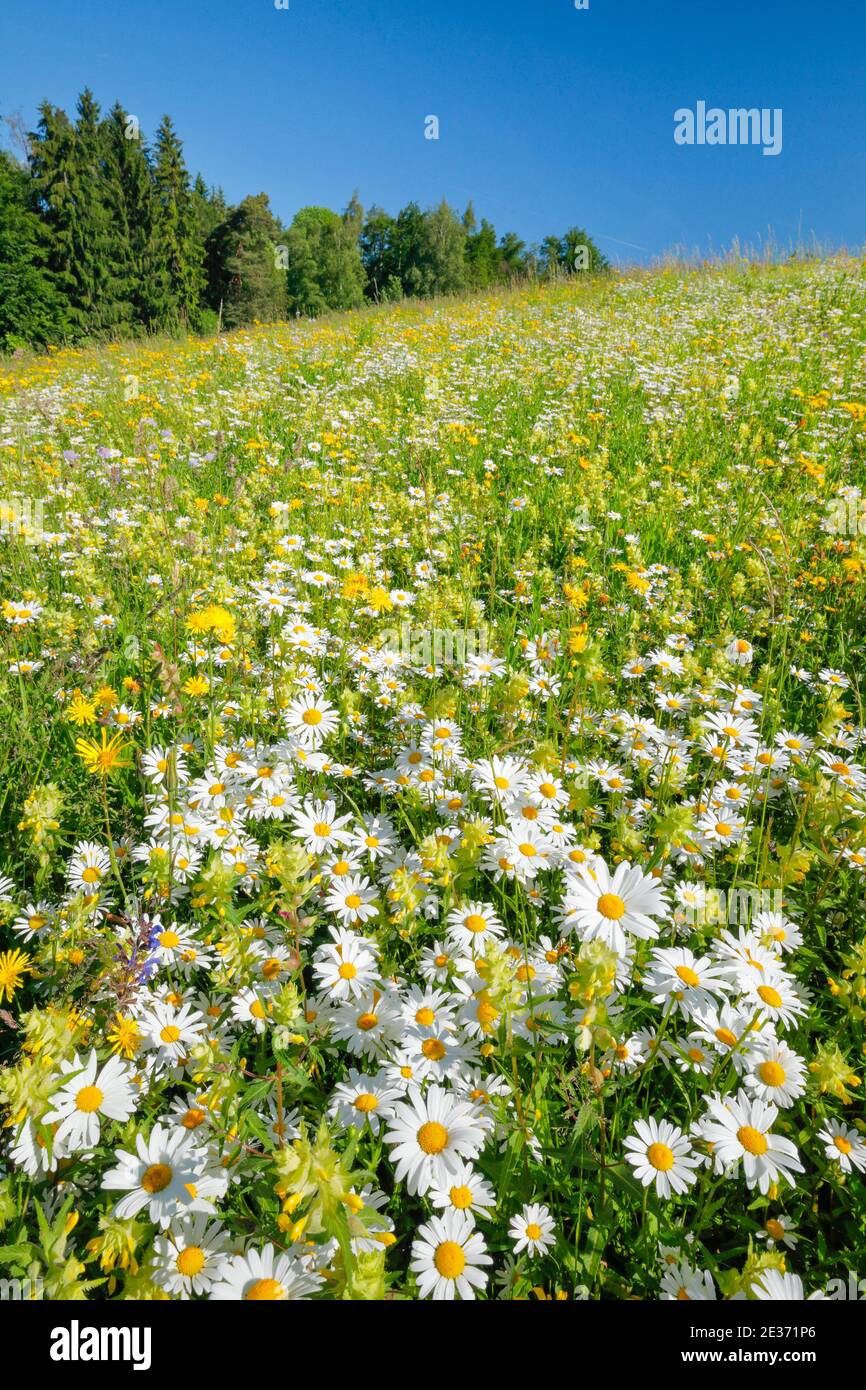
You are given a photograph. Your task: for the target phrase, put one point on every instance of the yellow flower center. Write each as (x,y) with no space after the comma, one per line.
(264,1289)
(170,1033)
(89,1098)
(752,1140)
(368,1021)
(725,1036)
(432,1137)
(533,1232)
(353,901)
(611,906)
(770,996)
(527,850)
(661,1157)
(433,1050)
(461,1198)
(772,1074)
(312,716)
(91,875)
(775,1230)
(347,971)
(156,1178)
(425,1017)
(190,1261)
(449,1259)
(842,1144)
(366,1102)
(688,976)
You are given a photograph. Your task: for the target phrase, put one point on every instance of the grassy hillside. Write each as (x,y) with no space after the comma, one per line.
(432,769)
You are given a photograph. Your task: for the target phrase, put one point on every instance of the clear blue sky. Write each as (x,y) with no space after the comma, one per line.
(548,116)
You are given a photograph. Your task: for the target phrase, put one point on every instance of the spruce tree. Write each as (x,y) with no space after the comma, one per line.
(97,243)
(143,282)
(53,198)
(180,247)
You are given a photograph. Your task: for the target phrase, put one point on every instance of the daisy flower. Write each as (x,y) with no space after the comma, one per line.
(319,827)
(168,1174)
(776,1074)
(88,1096)
(265,1276)
(774,996)
(501,781)
(347,968)
(368,1024)
(739,1128)
(691,982)
(448,1256)
(352,899)
(778,1230)
(186,1260)
(362,1099)
(772,1286)
(532,1229)
(429,1135)
(843,1145)
(605,905)
(661,1153)
(472,925)
(311,719)
(684,1283)
(467,1192)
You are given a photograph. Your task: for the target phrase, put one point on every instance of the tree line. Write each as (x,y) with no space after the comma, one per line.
(104,236)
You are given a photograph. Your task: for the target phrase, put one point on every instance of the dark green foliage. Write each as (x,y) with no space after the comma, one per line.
(143,278)
(245,265)
(32,309)
(177,226)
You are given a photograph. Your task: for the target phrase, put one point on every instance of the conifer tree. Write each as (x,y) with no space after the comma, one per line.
(143,281)
(32,311)
(247,265)
(181,248)
(97,245)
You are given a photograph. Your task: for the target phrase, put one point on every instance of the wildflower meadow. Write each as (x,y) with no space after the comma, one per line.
(433,799)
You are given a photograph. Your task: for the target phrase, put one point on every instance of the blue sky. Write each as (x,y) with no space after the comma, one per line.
(548,116)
